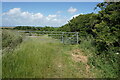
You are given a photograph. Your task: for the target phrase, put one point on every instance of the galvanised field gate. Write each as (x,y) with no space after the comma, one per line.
(64,37)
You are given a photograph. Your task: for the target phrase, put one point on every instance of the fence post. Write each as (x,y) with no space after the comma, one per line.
(77,37)
(62,37)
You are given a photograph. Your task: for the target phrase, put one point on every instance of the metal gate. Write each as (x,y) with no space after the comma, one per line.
(64,37)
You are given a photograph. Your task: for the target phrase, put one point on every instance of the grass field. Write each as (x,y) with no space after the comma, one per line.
(44,57)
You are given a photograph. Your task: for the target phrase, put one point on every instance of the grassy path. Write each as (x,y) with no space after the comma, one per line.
(44,57)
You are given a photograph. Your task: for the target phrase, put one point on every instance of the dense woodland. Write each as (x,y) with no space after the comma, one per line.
(102,30)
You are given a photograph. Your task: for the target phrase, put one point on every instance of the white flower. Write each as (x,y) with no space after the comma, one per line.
(117,53)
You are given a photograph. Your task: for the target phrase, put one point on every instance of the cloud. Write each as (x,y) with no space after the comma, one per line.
(49,17)
(72,10)
(38,16)
(59,12)
(52,16)
(74,16)
(16,16)
(14,11)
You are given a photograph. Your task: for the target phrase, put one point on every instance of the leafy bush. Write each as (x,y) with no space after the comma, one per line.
(105,43)
(108,65)
(87,44)
(10,39)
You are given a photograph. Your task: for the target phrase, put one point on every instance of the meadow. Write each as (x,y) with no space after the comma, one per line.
(45,57)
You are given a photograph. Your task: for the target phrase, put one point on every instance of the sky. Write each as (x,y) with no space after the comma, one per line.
(52,0)
(53,14)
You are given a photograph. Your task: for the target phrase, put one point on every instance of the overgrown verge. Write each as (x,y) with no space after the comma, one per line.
(10,39)
(107,64)
(100,37)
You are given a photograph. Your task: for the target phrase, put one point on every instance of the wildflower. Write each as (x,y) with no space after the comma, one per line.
(117,53)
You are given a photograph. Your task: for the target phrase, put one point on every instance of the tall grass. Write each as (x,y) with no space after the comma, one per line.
(10,39)
(87,45)
(108,65)
(39,57)
(43,57)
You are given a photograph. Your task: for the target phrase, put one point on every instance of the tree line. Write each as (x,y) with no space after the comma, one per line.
(32,28)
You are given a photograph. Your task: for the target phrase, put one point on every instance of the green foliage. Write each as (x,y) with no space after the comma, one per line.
(99,34)
(42,57)
(30,28)
(104,28)
(25,28)
(10,39)
(109,28)
(108,65)
(87,44)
